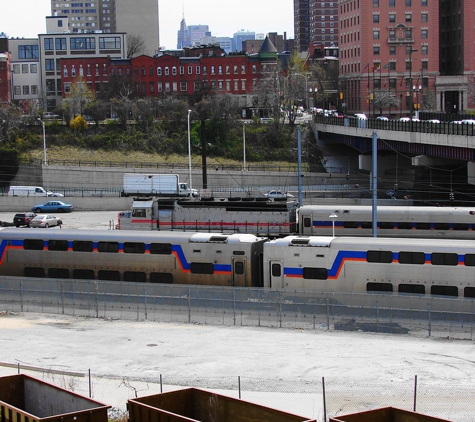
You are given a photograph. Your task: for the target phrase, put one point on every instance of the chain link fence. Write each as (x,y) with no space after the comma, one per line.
(321,399)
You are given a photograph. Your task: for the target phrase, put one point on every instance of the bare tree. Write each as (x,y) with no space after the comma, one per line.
(135,45)
(79,96)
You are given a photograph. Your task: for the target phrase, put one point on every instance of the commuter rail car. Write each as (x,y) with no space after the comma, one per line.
(393,221)
(258,216)
(294,263)
(165,257)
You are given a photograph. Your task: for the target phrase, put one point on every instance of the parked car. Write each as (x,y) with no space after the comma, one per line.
(468,122)
(267,120)
(50,116)
(361,116)
(45,220)
(54,194)
(433,121)
(408,119)
(382,118)
(53,206)
(278,194)
(23,218)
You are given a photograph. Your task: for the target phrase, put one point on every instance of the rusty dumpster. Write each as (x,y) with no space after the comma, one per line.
(195,405)
(24,398)
(386,414)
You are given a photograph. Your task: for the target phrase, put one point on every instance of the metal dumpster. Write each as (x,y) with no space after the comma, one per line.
(386,414)
(24,398)
(194,405)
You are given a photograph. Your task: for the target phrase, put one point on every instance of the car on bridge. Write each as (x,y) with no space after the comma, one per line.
(53,206)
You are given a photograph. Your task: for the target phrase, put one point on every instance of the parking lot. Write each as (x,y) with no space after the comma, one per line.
(100,220)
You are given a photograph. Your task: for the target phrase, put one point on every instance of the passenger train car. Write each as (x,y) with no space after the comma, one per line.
(294,263)
(393,221)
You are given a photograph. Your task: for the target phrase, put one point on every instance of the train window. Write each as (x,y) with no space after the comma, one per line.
(379,256)
(161,248)
(276,270)
(444,259)
(422,226)
(307,222)
(108,247)
(418,289)
(57,245)
(444,290)
(58,273)
(137,276)
(460,226)
(350,224)
(134,247)
(385,225)
(315,273)
(239,267)
(239,253)
(82,246)
(161,278)
(469,260)
(412,258)
(379,287)
(404,226)
(83,274)
(34,272)
(367,225)
(109,275)
(469,292)
(441,226)
(140,212)
(202,268)
(33,244)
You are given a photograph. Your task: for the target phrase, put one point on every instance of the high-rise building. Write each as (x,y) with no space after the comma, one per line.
(323,26)
(138,17)
(302,24)
(239,37)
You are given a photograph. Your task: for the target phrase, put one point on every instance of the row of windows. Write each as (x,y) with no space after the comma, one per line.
(24,68)
(355,5)
(212,70)
(407,34)
(407,3)
(468,292)
(407,17)
(25,90)
(82,43)
(389,225)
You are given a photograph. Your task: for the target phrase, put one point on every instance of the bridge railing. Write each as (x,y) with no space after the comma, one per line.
(423,126)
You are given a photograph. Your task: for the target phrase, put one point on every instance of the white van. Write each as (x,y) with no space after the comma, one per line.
(27,191)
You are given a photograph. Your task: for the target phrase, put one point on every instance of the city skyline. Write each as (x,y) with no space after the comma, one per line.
(27,18)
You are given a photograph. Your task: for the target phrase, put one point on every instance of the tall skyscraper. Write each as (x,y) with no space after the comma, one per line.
(138,17)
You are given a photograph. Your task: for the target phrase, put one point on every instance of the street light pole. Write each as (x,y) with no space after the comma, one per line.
(244,146)
(412,50)
(44,142)
(333,216)
(189,151)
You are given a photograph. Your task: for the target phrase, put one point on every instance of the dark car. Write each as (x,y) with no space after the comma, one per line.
(23,218)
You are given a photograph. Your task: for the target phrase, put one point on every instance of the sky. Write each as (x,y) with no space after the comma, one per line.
(26,18)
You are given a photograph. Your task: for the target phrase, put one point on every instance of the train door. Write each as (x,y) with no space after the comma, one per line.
(164,220)
(276,273)
(306,225)
(239,272)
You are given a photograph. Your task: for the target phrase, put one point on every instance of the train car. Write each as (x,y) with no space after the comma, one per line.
(165,257)
(258,216)
(352,264)
(393,221)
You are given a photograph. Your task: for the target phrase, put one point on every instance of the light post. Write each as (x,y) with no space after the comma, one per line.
(44,142)
(244,146)
(333,216)
(189,151)
(411,50)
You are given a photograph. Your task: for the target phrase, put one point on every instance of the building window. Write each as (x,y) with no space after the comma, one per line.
(375,3)
(425,65)
(49,65)
(376,34)
(82,43)
(376,50)
(65,71)
(167,86)
(174,70)
(212,70)
(110,43)
(159,71)
(424,17)
(392,34)
(392,65)
(243,69)
(198,70)
(408,17)
(142,71)
(33,68)
(34,89)
(159,87)
(182,70)
(26,90)
(392,17)
(392,3)
(408,33)
(408,2)
(424,2)
(48,44)
(73,72)
(375,18)
(60,43)
(183,86)
(205,70)
(24,68)
(392,50)
(28,52)
(17,89)
(150,71)
(425,49)
(424,33)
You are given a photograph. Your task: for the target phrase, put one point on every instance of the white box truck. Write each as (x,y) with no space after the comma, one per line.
(140,184)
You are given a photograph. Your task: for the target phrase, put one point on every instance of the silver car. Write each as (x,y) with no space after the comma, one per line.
(45,220)
(278,194)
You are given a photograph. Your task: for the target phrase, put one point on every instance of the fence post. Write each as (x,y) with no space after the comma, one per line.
(161,384)
(90,384)
(239,386)
(21,296)
(324,401)
(145,302)
(328,314)
(189,305)
(429,318)
(415,392)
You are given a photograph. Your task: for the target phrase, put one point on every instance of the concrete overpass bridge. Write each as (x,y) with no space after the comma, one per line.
(436,159)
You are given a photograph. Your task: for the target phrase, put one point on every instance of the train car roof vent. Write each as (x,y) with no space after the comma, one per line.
(300,241)
(219,239)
